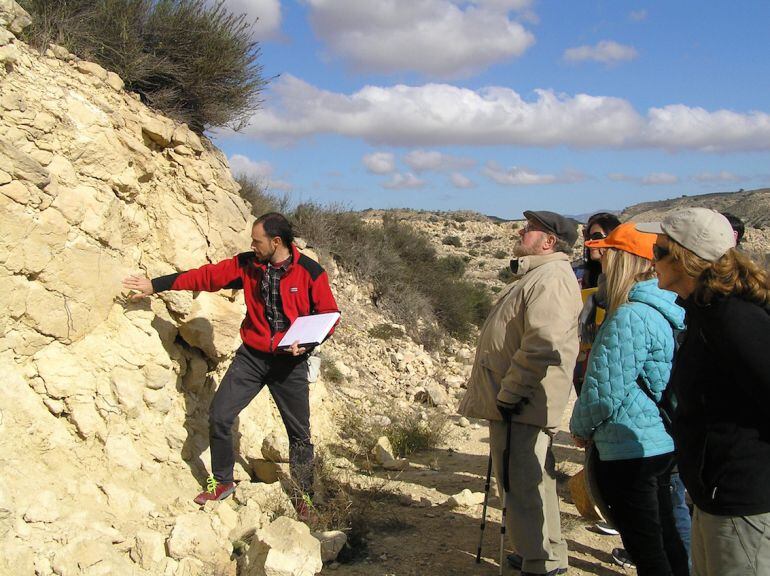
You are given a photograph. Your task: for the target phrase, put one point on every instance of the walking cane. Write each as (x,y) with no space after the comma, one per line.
(484,511)
(506,485)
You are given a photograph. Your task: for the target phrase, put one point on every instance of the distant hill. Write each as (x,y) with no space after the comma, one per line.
(753,206)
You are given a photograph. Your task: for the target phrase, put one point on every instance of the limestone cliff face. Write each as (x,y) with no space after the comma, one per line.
(103,429)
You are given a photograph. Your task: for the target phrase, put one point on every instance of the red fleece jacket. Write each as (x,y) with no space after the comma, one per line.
(304,289)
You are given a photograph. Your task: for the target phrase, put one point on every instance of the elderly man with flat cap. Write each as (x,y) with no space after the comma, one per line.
(521,380)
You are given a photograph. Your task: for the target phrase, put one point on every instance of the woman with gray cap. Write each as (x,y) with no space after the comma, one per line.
(721,383)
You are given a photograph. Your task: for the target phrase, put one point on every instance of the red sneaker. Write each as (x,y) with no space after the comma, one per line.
(306,512)
(215,491)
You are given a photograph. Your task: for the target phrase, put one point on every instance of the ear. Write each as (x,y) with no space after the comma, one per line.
(549,241)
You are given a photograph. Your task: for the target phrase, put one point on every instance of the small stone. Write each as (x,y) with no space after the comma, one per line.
(466,498)
(463,422)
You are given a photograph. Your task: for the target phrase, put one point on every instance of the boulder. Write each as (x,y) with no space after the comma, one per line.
(284,548)
(275,447)
(332,543)
(383,451)
(432,393)
(149,549)
(194,536)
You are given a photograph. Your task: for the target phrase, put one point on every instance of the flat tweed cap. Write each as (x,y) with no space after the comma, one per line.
(565,228)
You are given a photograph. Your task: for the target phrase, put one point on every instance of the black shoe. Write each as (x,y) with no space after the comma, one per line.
(622,558)
(516,562)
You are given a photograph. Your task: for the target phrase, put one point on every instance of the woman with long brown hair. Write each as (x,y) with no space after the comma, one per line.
(628,370)
(721,384)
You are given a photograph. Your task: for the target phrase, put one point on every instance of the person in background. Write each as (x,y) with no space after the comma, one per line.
(521,381)
(592,314)
(721,382)
(617,410)
(597,227)
(280,284)
(739,228)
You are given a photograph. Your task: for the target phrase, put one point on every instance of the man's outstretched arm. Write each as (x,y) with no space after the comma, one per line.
(207,278)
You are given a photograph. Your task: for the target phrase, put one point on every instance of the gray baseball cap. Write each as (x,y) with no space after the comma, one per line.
(703,231)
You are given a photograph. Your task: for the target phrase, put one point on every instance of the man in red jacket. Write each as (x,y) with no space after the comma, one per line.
(279,285)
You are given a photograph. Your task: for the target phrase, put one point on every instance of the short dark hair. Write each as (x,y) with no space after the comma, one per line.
(276,224)
(737,224)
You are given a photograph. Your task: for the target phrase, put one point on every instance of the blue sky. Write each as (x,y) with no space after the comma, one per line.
(500,106)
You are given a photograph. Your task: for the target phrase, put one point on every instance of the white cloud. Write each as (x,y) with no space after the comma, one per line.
(606,51)
(443,115)
(461,181)
(721,176)
(380,162)
(403,181)
(424,160)
(443,38)
(660,179)
(265,14)
(262,172)
(652,179)
(518,176)
(638,15)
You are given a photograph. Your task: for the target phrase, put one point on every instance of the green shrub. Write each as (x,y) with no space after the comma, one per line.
(407,432)
(452,241)
(191,60)
(500,254)
(487,238)
(385,331)
(260,200)
(452,265)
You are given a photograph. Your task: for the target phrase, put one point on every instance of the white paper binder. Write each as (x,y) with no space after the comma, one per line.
(309,330)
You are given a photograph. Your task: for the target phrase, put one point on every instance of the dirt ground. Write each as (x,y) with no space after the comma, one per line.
(413,533)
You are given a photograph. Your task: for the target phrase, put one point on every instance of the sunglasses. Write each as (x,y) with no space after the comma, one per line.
(597,236)
(659,253)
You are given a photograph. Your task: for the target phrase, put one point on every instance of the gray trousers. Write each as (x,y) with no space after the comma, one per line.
(532,506)
(730,545)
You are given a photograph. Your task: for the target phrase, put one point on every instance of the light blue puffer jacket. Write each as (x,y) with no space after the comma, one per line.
(612,409)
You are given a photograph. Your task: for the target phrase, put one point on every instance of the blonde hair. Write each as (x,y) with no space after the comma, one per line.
(623,270)
(733,274)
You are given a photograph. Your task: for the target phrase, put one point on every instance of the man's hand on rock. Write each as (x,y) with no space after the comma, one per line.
(138,284)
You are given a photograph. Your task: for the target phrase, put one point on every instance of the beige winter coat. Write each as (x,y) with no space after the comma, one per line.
(528,345)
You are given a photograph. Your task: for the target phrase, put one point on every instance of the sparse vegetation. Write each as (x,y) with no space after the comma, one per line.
(452,241)
(407,431)
(385,331)
(191,59)
(499,254)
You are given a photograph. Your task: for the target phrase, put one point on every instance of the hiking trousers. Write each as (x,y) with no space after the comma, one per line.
(730,545)
(286,377)
(532,506)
